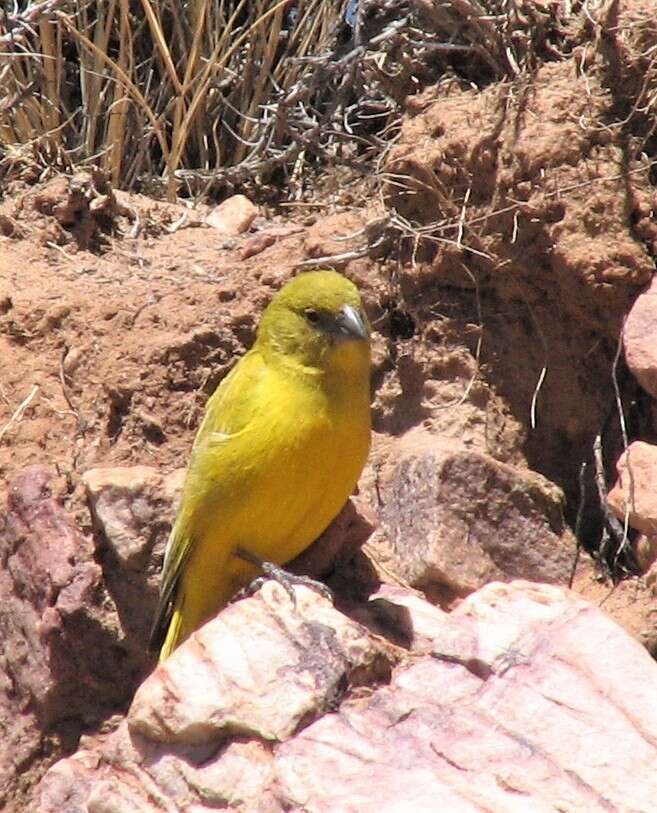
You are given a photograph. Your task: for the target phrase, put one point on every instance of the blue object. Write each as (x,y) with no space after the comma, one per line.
(351,13)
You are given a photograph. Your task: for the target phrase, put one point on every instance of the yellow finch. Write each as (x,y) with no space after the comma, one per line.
(282,444)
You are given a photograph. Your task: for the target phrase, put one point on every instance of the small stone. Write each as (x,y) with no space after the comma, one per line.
(640,339)
(61,637)
(233,216)
(72,360)
(634,490)
(645,551)
(126,503)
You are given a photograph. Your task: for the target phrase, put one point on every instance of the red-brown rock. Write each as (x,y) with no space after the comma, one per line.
(48,585)
(454,519)
(65,661)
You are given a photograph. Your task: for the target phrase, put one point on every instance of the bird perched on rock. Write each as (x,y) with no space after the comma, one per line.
(281,446)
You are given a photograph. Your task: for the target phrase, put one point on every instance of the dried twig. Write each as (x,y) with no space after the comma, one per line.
(613,530)
(20,410)
(578,522)
(19,24)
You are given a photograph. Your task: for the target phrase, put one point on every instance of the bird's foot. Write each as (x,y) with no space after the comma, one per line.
(286,579)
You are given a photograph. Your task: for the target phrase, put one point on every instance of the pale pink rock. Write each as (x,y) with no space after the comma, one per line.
(260,668)
(634,491)
(233,216)
(524,698)
(640,339)
(69,783)
(133,508)
(521,708)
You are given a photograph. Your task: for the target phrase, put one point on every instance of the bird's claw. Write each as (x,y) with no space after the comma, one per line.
(287,580)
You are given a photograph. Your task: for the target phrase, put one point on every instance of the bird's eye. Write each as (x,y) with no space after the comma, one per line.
(312,316)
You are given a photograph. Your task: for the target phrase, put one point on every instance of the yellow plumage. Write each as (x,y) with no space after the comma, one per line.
(282,444)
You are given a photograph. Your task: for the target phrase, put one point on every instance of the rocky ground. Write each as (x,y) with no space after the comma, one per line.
(514,237)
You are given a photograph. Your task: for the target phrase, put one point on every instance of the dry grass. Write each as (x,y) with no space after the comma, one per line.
(144,89)
(210,94)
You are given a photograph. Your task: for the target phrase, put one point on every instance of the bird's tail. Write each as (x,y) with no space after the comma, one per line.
(173,635)
(209,580)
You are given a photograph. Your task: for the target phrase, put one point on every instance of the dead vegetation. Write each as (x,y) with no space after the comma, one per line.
(215,95)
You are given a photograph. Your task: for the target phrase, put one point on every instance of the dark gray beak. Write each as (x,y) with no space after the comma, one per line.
(352,324)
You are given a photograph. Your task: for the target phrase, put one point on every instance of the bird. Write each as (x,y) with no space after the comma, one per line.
(281,446)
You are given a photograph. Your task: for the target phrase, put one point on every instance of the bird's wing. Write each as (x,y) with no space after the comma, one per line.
(227,416)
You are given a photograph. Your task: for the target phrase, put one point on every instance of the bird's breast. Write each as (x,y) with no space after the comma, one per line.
(314,445)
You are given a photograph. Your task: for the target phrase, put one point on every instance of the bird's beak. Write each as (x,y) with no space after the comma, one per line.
(352,324)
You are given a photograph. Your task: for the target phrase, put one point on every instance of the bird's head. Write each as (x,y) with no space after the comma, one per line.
(317,321)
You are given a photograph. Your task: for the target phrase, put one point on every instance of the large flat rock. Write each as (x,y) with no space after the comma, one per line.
(525,698)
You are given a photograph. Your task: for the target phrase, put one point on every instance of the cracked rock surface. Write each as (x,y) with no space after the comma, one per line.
(524,698)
